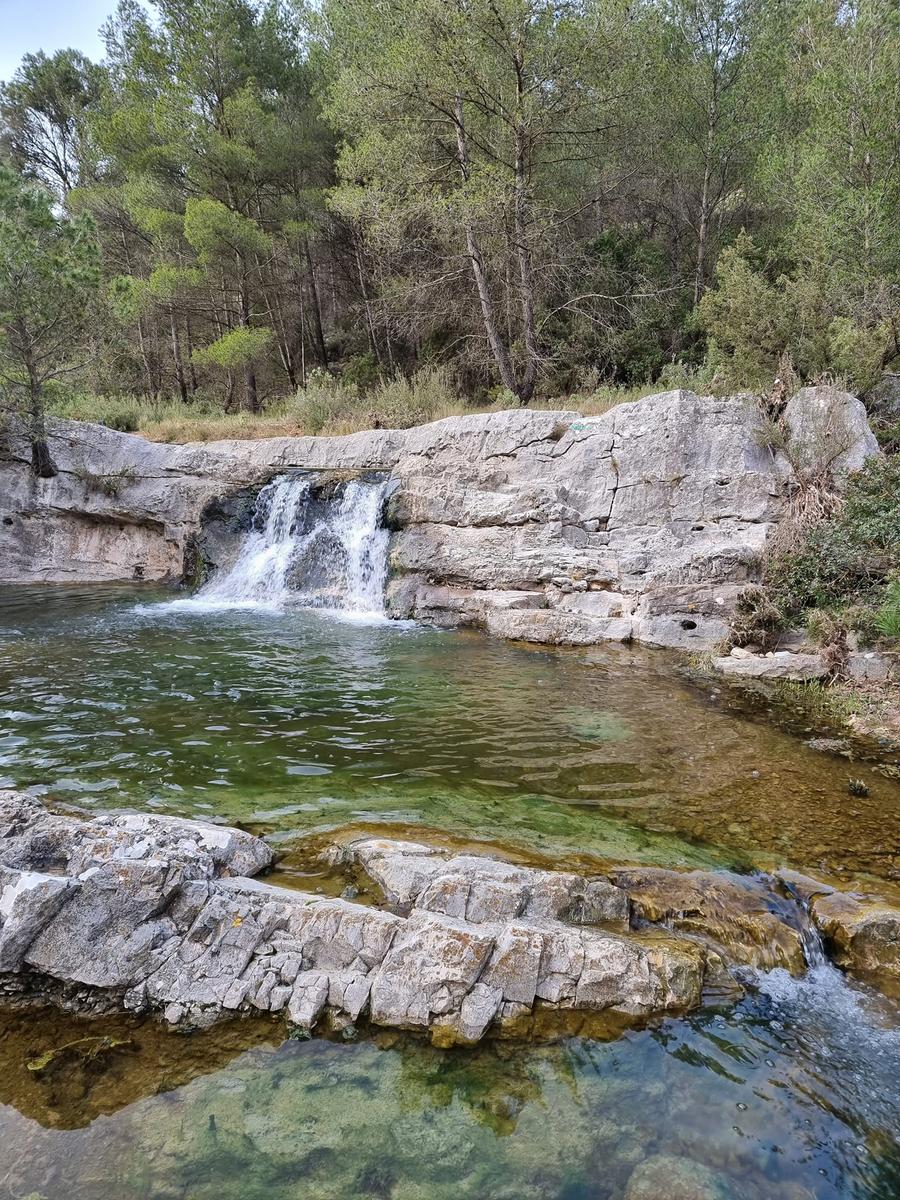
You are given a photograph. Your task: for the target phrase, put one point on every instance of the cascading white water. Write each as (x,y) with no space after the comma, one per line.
(259,574)
(356,528)
(322,554)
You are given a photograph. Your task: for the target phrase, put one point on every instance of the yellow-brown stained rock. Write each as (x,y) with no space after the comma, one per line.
(730,910)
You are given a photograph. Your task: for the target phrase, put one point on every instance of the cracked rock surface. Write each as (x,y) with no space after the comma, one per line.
(158,914)
(643,523)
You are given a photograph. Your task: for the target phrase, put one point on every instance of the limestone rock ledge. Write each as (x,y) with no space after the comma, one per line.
(153,914)
(643,523)
(156,914)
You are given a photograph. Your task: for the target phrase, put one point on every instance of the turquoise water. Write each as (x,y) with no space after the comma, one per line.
(297,724)
(794,1095)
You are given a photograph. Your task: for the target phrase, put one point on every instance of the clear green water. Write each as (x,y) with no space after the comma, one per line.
(298,724)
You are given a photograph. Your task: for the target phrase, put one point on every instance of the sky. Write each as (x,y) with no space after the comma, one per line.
(30,25)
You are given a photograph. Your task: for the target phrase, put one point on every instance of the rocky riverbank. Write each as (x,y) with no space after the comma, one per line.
(642,524)
(155,914)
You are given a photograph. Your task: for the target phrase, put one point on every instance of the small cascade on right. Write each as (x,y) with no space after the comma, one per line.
(828,1017)
(357,543)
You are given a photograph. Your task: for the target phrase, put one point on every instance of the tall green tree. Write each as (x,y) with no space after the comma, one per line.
(475,120)
(215,157)
(43,131)
(49,269)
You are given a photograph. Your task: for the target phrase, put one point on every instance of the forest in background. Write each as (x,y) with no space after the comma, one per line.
(369,209)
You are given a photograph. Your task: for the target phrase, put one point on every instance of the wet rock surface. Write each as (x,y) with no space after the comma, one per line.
(739,914)
(641,524)
(862,935)
(154,914)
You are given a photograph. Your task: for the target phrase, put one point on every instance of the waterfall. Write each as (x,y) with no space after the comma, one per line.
(304,550)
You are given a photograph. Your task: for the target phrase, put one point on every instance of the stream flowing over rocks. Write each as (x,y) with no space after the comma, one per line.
(641,524)
(160,914)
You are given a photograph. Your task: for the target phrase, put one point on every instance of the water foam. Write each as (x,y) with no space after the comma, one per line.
(298,553)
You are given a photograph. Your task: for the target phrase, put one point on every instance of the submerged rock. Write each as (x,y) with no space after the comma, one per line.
(144,913)
(673,1177)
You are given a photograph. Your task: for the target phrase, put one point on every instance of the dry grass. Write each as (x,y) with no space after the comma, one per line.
(326,407)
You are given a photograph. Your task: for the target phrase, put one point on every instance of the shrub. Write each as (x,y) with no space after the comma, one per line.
(847,558)
(109,484)
(757,620)
(123,413)
(887,618)
(752,320)
(400,402)
(329,404)
(324,400)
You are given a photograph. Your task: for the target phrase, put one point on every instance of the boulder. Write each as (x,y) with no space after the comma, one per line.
(828,431)
(883,400)
(867,666)
(861,935)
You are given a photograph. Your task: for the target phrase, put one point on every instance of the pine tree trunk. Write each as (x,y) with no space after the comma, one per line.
(251,397)
(42,463)
(526,271)
(317,307)
(498,348)
(176,357)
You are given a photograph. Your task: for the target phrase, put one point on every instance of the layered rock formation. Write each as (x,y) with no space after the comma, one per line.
(155,914)
(642,523)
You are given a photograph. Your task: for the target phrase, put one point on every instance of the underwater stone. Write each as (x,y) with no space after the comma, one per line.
(673,1177)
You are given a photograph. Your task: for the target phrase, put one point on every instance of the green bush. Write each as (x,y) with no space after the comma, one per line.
(123,413)
(887,619)
(328,403)
(753,321)
(325,400)
(847,559)
(400,403)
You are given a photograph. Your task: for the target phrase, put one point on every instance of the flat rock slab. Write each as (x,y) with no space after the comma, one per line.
(781,665)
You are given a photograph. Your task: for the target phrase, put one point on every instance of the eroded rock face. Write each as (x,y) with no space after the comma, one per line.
(150,913)
(737,913)
(643,523)
(153,914)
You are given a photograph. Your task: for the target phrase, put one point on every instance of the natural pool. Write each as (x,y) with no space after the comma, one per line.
(298,723)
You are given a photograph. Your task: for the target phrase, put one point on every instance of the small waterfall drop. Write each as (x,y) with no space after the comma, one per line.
(304,550)
(259,574)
